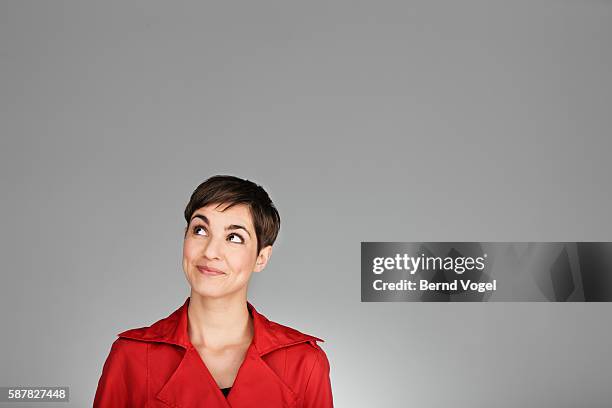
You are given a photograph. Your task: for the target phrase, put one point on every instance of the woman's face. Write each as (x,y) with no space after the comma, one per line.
(224,240)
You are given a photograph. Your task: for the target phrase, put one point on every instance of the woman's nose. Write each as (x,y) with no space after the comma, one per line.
(212,249)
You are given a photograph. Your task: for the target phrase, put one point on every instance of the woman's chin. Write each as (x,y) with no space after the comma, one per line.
(207,290)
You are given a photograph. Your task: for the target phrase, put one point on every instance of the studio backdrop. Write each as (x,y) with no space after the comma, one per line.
(386,133)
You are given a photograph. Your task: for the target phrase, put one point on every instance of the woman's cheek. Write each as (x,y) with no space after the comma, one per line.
(189,249)
(189,256)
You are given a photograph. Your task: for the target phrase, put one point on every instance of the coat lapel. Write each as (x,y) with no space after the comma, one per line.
(192,385)
(256,385)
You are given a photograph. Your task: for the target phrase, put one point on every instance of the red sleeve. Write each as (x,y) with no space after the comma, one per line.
(318,392)
(123,380)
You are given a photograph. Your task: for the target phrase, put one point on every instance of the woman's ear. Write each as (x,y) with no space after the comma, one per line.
(263,258)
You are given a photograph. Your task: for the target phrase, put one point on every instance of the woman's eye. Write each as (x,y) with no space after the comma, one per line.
(240,240)
(233,237)
(196,228)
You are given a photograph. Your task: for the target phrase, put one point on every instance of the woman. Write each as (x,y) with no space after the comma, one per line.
(217,350)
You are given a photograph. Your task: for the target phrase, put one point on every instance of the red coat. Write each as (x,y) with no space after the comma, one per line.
(157,366)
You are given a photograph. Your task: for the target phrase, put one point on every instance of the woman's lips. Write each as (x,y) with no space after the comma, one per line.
(210,271)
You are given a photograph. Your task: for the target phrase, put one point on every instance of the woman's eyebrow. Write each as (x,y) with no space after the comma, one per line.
(229,227)
(202,217)
(235,227)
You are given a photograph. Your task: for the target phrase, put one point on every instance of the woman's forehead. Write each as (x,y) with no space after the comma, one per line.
(237,214)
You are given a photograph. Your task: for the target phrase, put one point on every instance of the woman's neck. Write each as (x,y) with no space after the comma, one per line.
(219,323)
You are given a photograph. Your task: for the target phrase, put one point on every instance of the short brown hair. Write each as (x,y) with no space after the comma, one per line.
(231,190)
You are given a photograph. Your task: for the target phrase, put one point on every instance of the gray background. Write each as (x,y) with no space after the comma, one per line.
(366,121)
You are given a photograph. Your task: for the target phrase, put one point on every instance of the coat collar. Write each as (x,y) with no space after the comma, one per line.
(192,384)
(268,336)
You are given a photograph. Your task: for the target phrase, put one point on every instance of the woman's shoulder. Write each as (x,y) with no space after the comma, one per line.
(126,358)
(271,335)
(292,334)
(127,342)
(296,342)
(293,351)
